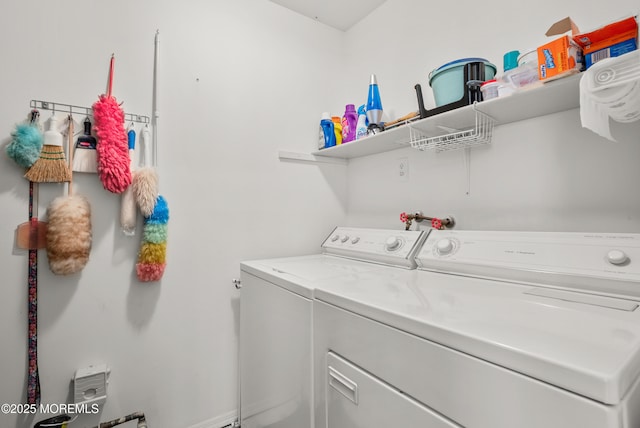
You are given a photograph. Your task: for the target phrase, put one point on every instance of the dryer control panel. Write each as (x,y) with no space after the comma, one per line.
(600,262)
(385,246)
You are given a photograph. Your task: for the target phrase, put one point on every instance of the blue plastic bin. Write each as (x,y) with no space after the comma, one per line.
(447,81)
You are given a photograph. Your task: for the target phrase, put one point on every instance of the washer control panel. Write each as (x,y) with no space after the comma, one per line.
(386,246)
(608,262)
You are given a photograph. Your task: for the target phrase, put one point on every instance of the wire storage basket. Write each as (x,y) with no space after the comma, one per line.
(480,134)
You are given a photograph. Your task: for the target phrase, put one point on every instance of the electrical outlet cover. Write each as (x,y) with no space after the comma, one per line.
(402,169)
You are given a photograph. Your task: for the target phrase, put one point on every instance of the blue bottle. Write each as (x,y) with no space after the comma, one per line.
(329,133)
(321,140)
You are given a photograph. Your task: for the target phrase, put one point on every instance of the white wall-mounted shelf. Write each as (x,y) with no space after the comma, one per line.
(288,155)
(552,97)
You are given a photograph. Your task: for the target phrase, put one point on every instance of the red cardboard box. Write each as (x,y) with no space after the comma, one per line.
(609,41)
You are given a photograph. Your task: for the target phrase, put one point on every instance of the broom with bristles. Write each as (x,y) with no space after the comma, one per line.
(85,158)
(51,166)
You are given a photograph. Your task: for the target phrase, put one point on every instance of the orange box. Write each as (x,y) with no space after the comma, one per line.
(608,41)
(559,57)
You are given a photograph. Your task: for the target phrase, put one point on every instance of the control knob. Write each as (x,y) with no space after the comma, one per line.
(392,243)
(444,246)
(617,257)
(355,240)
(334,238)
(344,239)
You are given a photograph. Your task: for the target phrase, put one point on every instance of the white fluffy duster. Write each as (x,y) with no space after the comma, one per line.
(145,189)
(68,234)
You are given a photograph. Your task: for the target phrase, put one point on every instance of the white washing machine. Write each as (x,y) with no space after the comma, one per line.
(276,318)
(493,330)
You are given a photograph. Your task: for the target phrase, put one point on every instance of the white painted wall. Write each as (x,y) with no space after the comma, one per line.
(240,80)
(546,173)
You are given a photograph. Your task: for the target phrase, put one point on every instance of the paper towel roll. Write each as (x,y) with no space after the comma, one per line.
(610,89)
(628,108)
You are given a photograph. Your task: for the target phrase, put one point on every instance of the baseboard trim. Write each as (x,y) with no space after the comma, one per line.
(217,422)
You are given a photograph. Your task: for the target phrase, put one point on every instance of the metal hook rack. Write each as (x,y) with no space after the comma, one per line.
(88,111)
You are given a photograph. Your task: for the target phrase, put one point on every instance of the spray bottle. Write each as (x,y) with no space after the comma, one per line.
(361,128)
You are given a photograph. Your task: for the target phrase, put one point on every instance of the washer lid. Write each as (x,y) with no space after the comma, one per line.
(346,251)
(300,274)
(580,342)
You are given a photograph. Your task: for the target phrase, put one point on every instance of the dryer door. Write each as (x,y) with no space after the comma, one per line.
(275,356)
(357,399)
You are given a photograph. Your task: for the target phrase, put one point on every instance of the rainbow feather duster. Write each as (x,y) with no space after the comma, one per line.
(153,250)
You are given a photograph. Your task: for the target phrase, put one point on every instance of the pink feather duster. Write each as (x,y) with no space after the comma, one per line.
(112,149)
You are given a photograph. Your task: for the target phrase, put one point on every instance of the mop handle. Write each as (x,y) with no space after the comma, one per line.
(110,85)
(70,150)
(156,52)
(33,376)
(146,147)
(156,101)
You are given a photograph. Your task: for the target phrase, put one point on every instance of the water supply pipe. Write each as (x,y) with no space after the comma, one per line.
(142,423)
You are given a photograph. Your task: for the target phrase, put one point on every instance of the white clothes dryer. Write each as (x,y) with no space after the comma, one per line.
(276,317)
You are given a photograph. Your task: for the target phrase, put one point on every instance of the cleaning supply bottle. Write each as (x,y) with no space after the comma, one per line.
(349,123)
(337,127)
(321,137)
(361,127)
(329,133)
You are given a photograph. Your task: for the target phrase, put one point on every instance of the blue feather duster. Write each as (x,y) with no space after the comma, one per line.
(26,144)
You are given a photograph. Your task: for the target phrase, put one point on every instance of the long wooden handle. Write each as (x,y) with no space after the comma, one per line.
(402,119)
